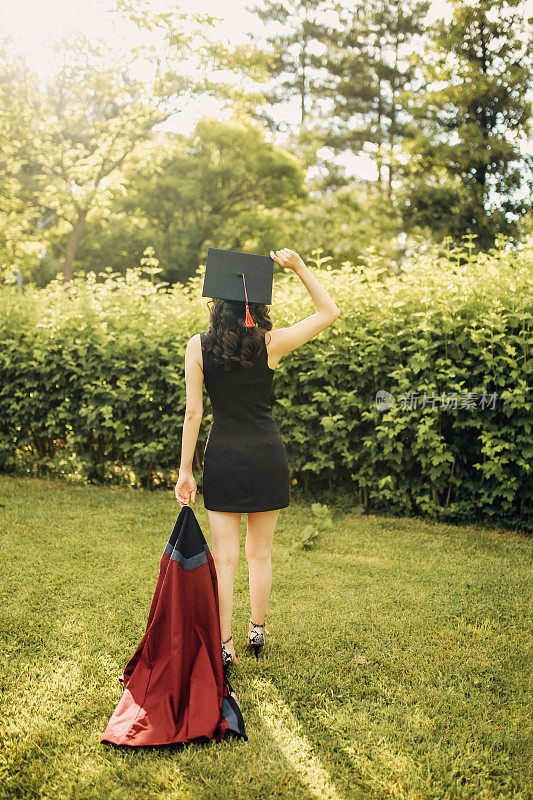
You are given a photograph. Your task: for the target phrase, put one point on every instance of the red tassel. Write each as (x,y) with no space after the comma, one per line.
(248,321)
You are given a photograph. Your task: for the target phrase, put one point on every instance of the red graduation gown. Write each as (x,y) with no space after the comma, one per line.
(175,689)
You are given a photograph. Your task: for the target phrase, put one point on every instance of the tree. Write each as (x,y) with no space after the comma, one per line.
(86,123)
(350,223)
(466,159)
(370,69)
(19,122)
(220,187)
(295,48)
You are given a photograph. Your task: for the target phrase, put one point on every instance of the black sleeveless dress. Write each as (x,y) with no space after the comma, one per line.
(245,461)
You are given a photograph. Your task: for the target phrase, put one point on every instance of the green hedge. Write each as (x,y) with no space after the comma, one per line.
(92,383)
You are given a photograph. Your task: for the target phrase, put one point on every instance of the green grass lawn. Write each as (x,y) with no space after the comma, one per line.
(398,662)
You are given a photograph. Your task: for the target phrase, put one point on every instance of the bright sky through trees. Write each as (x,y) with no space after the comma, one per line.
(31,22)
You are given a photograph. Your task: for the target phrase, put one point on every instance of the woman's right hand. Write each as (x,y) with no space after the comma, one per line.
(287,259)
(186,488)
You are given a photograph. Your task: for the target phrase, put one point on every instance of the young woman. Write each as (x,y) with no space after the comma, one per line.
(245,463)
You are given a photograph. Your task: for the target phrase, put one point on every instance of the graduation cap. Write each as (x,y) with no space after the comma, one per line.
(238,277)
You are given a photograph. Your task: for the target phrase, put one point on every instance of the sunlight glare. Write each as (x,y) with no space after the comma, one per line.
(286,729)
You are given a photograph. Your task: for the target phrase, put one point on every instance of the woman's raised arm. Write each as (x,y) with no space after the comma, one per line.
(286,339)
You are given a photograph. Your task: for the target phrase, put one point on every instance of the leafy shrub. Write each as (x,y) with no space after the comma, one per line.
(92,383)
(324,518)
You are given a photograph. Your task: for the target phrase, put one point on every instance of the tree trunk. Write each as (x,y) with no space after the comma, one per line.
(379,138)
(392,127)
(72,245)
(303,85)
(481,171)
(379,156)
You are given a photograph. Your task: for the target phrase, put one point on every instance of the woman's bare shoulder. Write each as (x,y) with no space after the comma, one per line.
(273,356)
(273,338)
(272,335)
(195,342)
(194,349)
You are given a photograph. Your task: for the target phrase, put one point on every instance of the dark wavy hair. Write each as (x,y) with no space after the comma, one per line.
(228,339)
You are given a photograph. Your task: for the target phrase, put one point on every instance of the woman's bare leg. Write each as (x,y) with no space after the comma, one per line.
(225,550)
(259,535)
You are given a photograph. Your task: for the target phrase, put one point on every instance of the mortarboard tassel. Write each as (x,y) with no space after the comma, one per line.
(248,321)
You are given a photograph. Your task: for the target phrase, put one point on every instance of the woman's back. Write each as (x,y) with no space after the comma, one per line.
(245,461)
(241,393)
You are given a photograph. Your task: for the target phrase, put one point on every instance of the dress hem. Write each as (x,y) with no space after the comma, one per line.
(246,510)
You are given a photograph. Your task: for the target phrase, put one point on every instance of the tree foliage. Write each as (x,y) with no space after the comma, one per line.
(370,72)
(89,178)
(468,172)
(82,128)
(223,186)
(92,383)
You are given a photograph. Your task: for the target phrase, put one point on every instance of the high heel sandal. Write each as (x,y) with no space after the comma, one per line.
(227,658)
(256,639)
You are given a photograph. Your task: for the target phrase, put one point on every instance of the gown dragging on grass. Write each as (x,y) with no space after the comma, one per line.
(175,689)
